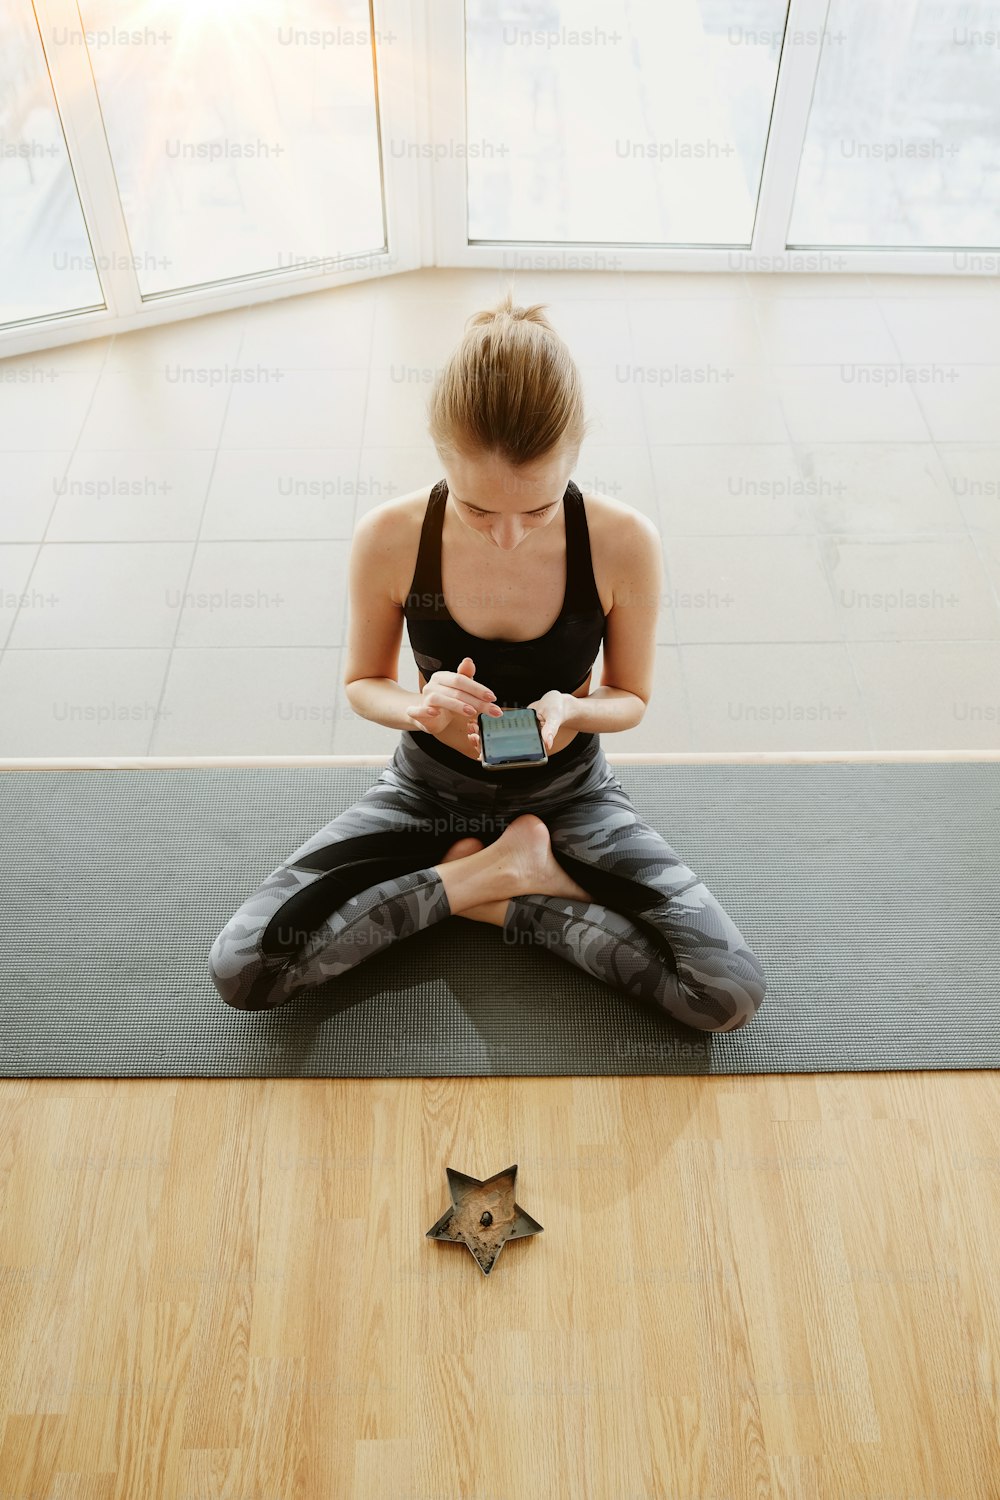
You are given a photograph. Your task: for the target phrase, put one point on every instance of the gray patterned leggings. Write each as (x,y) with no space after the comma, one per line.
(653,930)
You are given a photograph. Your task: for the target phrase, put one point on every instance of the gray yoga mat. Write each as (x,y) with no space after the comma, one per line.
(870,891)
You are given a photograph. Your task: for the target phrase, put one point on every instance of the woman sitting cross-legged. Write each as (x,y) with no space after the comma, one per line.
(509,580)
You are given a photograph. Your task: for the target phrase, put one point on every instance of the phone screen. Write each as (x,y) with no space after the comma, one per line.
(515,736)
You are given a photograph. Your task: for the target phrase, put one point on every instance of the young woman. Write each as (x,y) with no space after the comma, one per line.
(508,580)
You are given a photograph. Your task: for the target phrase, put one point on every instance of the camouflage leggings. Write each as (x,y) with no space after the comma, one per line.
(653,929)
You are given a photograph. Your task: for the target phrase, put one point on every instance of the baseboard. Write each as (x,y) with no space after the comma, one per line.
(620,758)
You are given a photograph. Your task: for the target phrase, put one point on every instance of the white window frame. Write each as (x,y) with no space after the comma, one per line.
(421,99)
(767,252)
(402,107)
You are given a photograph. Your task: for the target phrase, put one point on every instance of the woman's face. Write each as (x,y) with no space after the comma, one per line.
(502,503)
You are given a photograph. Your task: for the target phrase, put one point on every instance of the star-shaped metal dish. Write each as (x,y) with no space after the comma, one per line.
(483,1215)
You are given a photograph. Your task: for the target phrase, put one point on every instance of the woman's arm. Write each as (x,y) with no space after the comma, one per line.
(629,654)
(375,626)
(603,711)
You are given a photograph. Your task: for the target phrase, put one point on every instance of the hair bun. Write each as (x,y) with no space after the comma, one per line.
(531,314)
(516,394)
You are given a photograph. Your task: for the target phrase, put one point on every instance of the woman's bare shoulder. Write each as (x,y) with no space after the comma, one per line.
(401,508)
(396,519)
(621,539)
(394,527)
(613,523)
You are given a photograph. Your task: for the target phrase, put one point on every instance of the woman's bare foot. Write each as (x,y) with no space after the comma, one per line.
(494,912)
(479,881)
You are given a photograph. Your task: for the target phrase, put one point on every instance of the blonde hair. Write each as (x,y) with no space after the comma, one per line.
(510,388)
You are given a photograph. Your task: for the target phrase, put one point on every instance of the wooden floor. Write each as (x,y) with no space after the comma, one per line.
(750,1286)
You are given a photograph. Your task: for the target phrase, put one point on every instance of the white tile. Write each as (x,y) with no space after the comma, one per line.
(297,409)
(595,331)
(79,702)
(931,695)
(963,409)
(958,283)
(324,330)
(480,286)
(701,333)
(420,335)
(264,594)
(387,473)
(16,597)
(715,489)
(290,493)
(641,286)
(249,701)
(29,484)
(666,725)
(773,697)
(396,411)
(43,407)
(824,330)
(556,283)
(987,546)
(825,281)
(124,495)
(712,405)
(149,407)
(94,594)
(839,404)
(910,588)
(750,588)
(622,472)
(208,339)
(974,480)
(667,617)
(945,330)
(899,487)
(612,404)
(80,357)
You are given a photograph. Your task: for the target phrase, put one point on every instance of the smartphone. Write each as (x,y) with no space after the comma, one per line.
(514,739)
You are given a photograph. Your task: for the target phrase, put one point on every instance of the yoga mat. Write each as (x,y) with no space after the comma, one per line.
(870,891)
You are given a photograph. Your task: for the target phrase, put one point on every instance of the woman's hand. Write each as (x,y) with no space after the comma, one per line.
(447,695)
(551,710)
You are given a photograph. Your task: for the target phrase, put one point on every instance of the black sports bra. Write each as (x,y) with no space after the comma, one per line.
(517,671)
